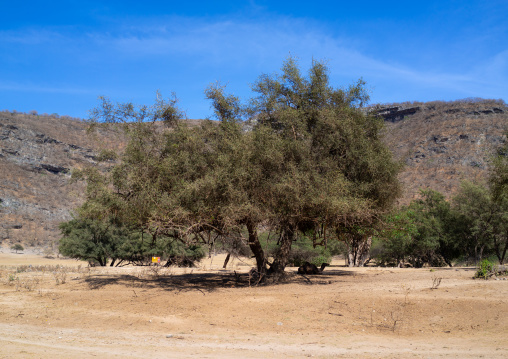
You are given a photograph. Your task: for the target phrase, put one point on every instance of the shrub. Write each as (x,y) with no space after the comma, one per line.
(485,269)
(304,251)
(17,247)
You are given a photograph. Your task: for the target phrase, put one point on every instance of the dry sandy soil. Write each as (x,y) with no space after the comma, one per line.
(207,312)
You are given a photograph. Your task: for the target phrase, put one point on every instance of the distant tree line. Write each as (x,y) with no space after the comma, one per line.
(432,231)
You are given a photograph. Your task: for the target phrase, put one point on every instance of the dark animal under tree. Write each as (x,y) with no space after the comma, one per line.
(309,268)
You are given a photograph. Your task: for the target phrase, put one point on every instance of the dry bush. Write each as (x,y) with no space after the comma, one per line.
(154,272)
(30,283)
(436,281)
(406,289)
(60,274)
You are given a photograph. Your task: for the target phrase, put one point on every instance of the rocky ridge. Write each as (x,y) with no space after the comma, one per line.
(444,143)
(37,155)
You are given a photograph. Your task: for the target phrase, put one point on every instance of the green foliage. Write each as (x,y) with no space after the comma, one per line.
(394,242)
(433,231)
(178,253)
(432,243)
(17,247)
(334,172)
(481,222)
(91,240)
(485,269)
(101,242)
(311,162)
(424,233)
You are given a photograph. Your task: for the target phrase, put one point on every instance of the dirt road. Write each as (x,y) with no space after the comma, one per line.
(206,312)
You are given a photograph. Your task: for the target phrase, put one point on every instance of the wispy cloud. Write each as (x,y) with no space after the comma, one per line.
(30,87)
(243,44)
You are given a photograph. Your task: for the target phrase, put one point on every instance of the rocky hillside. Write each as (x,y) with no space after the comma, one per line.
(441,144)
(37,154)
(444,143)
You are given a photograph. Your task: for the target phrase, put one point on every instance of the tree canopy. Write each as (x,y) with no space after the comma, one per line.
(301,159)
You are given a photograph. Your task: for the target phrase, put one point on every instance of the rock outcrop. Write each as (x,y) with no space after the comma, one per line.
(37,155)
(444,143)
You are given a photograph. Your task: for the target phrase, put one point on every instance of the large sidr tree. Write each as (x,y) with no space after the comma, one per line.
(301,159)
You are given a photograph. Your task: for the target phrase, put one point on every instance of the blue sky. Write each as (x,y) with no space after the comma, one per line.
(59,56)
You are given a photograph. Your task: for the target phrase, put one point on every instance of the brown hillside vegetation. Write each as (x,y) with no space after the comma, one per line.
(441,144)
(37,155)
(54,308)
(444,143)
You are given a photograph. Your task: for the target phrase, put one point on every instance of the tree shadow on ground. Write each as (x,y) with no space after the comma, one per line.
(466,269)
(204,282)
(328,276)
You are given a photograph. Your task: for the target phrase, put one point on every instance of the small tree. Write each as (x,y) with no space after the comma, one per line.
(17,247)
(482,221)
(92,240)
(475,219)
(432,243)
(396,238)
(425,232)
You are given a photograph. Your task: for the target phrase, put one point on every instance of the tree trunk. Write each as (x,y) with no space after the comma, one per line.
(447,261)
(102,261)
(500,252)
(358,250)
(226,261)
(282,256)
(257,249)
(478,253)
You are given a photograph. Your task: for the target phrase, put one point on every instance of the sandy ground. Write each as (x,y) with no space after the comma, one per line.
(207,312)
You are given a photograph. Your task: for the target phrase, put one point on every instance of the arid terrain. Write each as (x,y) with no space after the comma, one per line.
(440,143)
(60,307)
(55,307)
